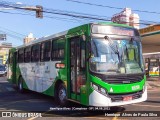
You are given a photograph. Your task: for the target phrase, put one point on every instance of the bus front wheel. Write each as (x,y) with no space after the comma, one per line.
(61,95)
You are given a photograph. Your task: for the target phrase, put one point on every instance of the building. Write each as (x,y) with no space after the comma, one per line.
(29,38)
(127,17)
(151,49)
(150,38)
(4,50)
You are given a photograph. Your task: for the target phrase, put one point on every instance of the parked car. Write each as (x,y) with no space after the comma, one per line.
(3,71)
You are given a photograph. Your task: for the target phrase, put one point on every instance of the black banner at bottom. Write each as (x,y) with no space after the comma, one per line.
(19,114)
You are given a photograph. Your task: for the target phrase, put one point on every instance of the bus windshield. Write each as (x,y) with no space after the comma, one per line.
(113,55)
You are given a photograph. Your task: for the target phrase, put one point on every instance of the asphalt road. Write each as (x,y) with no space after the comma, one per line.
(26,104)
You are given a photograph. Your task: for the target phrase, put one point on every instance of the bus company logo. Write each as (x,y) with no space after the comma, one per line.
(6,114)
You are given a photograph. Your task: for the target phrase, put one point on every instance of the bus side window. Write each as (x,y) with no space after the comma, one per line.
(83,54)
(42,51)
(20,55)
(27,54)
(35,54)
(58,49)
(46,51)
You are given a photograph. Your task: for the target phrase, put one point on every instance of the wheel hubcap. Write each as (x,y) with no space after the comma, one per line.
(62,94)
(20,86)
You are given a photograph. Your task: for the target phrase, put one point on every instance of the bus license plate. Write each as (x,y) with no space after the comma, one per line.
(127,98)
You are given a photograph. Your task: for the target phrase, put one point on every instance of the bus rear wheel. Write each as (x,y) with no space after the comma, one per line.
(20,85)
(61,95)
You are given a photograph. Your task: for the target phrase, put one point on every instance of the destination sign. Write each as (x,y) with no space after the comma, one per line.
(102,29)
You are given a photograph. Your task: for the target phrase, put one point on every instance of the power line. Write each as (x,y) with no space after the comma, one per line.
(12,35)
(90,17)
(103,17)
(22,35)
(74,15)
(58,12)
(143,21)
(16,6)
(52,17)
(77,16)
(71,20)
(61,18)
(73,12)
(63,13)
(100,5)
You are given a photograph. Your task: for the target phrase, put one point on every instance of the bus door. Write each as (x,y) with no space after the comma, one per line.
(77,67)
(154,67)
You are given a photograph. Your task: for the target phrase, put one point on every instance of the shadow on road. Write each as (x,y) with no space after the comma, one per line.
(153,101)
(12,100)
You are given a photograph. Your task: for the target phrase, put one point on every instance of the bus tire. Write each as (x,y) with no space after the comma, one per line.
(20,85)
(61,95)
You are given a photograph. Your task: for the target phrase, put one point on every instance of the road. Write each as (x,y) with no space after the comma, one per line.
(29,102)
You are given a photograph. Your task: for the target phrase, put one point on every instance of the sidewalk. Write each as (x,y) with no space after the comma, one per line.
(153,82)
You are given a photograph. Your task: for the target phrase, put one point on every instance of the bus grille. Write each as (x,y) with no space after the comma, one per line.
(124,79)
(119,97)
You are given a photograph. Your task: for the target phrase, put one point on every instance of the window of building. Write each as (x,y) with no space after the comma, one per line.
(46,51)
(27,54)
(58,49)
(35,53)
(20,55)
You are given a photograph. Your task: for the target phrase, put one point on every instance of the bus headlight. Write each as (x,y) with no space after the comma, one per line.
(102,90)
(95,87)
(99,89)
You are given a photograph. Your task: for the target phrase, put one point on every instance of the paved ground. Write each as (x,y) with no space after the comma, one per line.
(11,100)
(153,83)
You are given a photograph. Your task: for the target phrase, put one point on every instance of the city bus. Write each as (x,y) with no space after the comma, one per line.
(95,64)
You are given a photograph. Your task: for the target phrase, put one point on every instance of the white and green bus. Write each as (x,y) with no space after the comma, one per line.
(96,64)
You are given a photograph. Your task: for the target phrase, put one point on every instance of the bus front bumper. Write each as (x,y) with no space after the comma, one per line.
(97,99)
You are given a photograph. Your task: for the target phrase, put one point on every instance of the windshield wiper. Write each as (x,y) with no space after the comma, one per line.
(112,46)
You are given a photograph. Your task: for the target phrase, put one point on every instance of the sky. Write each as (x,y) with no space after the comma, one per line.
(21,25)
